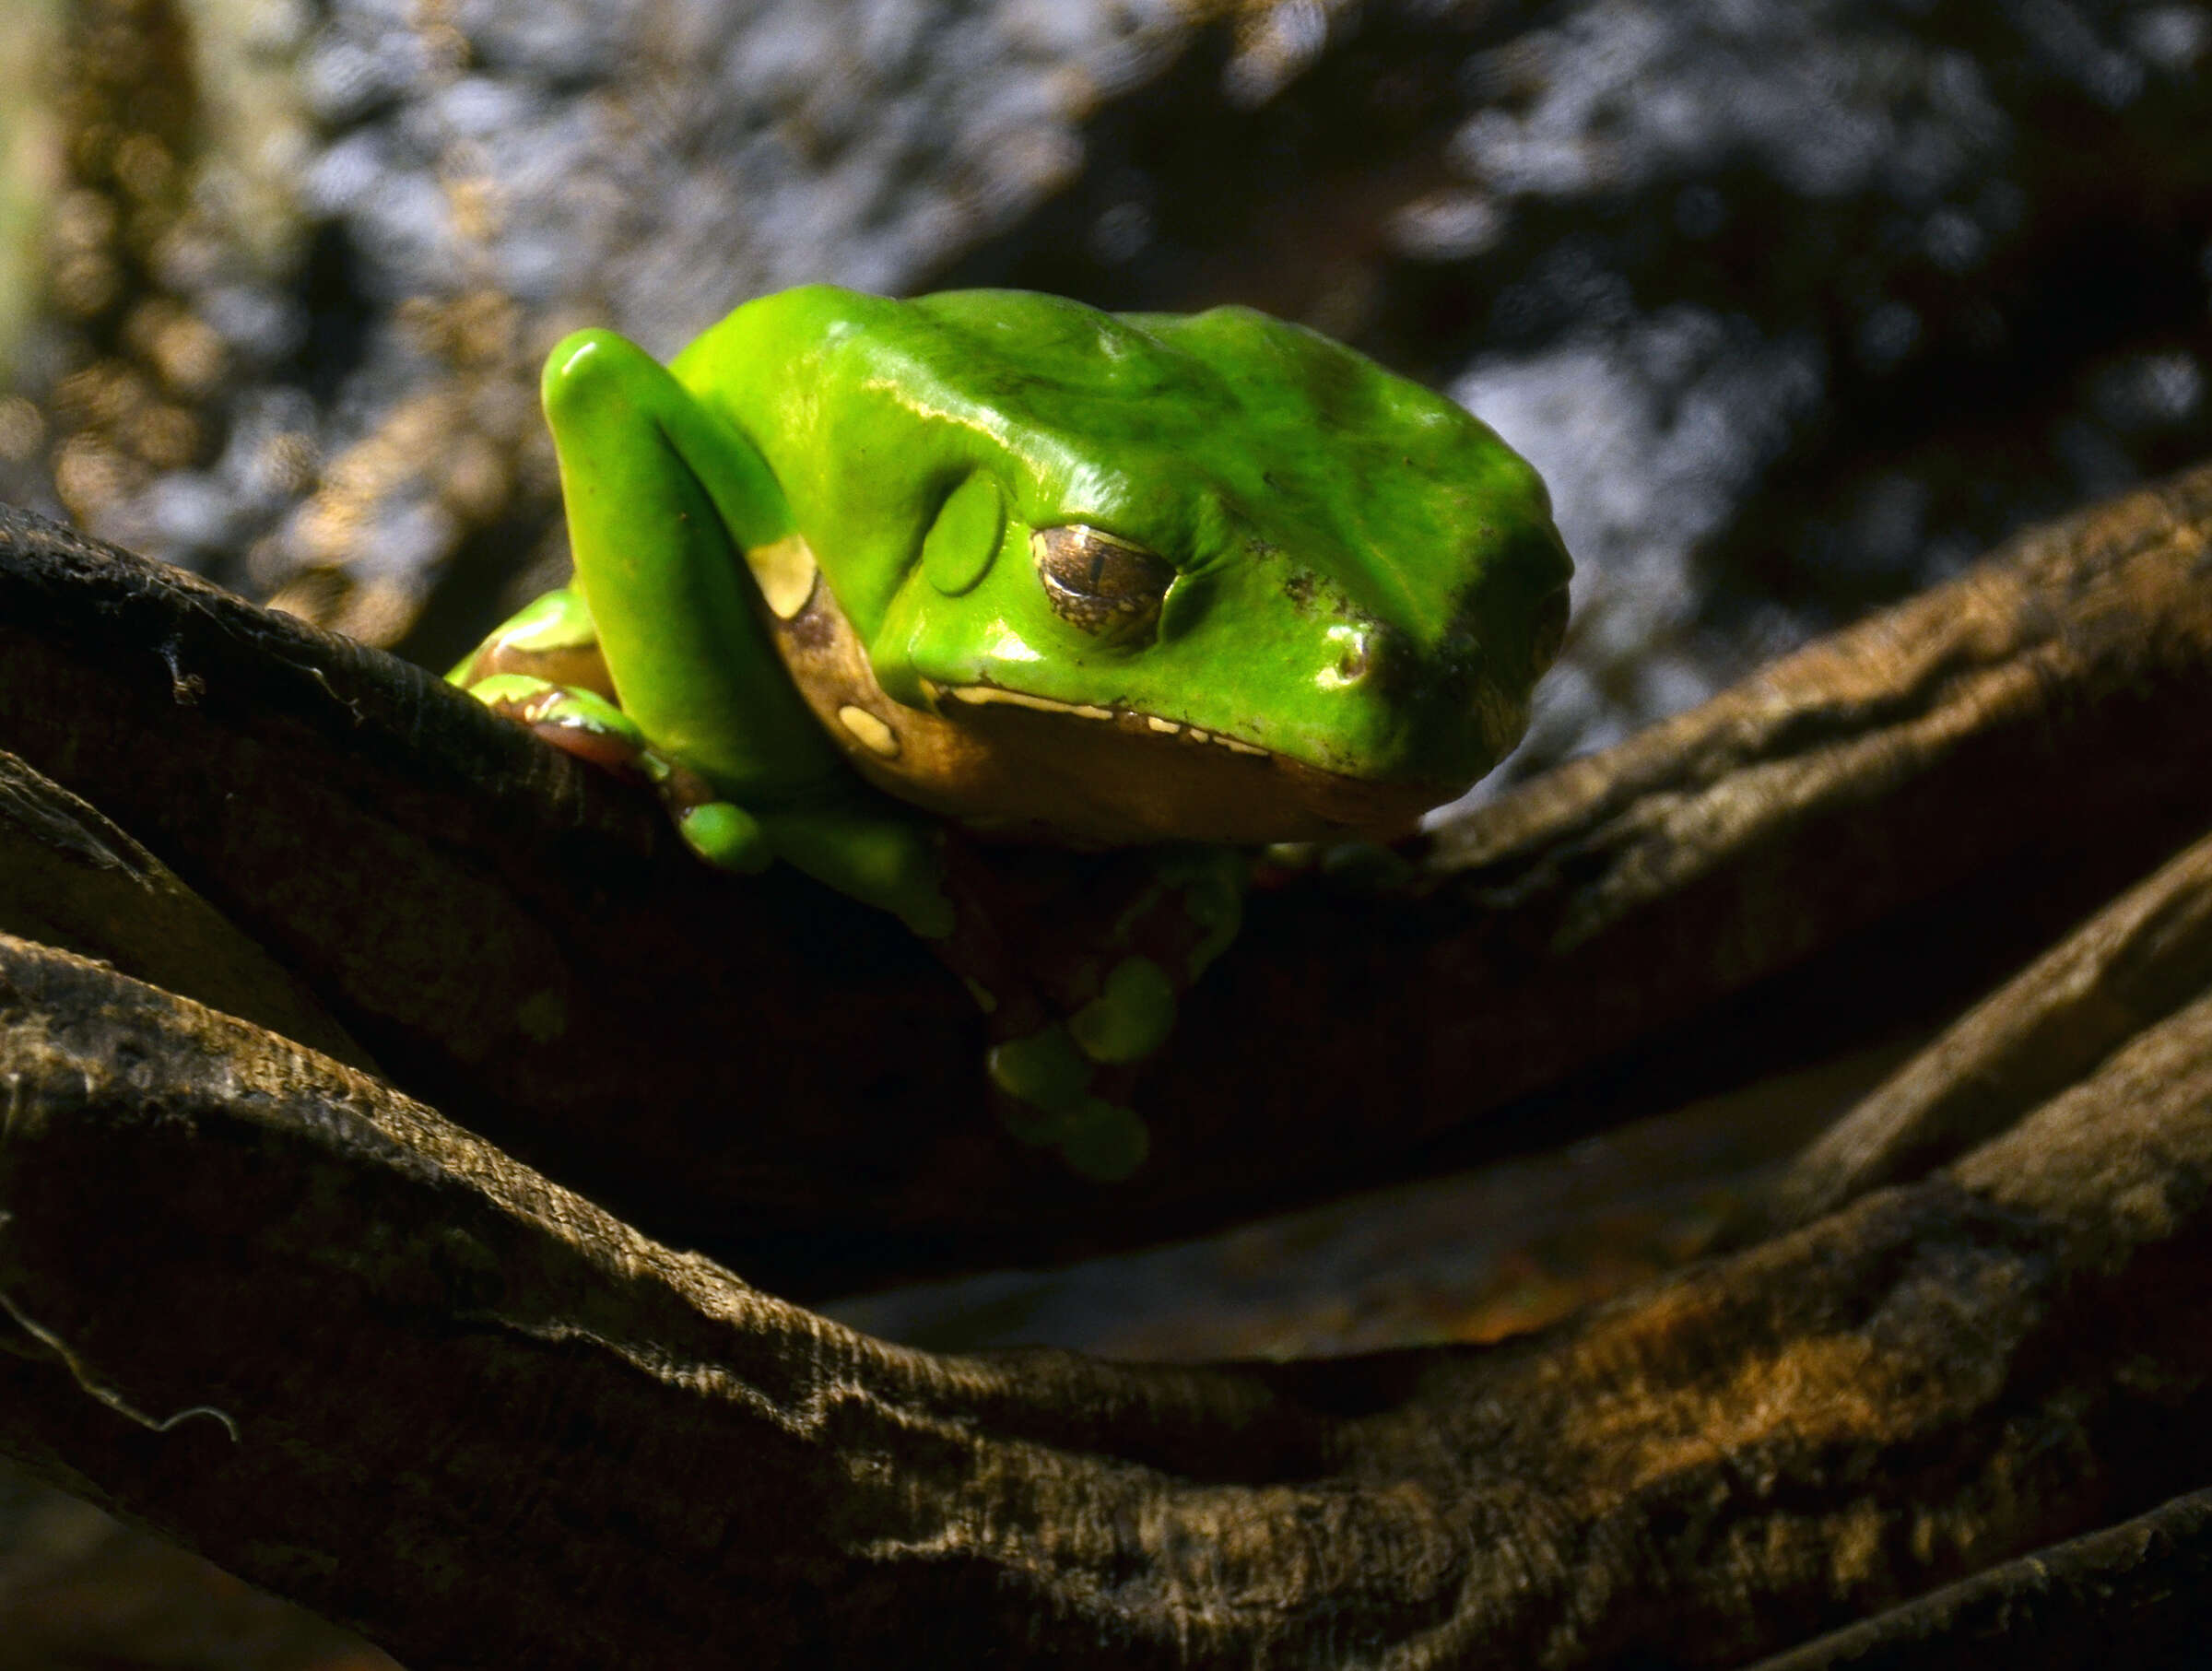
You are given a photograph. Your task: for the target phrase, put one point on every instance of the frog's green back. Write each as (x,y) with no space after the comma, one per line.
(1369,580)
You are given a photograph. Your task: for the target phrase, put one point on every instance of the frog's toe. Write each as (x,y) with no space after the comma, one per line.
(553,641)
(891,862)
(1043,1072)
(1052,1102)
(1105,1141)
(581,722)
(1132,1015)
(726,836)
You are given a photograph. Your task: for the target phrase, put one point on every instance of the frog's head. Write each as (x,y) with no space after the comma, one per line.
(1210,576)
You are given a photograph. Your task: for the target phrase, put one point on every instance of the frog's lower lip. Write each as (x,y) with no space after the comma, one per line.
(1126,792)
(980,695)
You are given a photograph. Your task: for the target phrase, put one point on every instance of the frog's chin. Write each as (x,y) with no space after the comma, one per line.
(1093,775)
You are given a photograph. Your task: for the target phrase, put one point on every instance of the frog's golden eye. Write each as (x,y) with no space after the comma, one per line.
(1097,583)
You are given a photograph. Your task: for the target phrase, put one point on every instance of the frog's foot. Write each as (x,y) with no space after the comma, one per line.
(1055,1096)
(1079,964)
(881,855)
(578,722)
(553,641)
(590,726)
(1066,1086)
(720,831)
(543,669)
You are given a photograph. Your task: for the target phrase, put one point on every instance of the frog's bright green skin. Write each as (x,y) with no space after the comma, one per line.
(1054,573)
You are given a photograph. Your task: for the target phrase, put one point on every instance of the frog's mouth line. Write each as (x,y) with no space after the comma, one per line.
(980,695)
(1009,764)
(1137,784)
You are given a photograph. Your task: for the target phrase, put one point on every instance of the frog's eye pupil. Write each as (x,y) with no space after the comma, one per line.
(1099,584)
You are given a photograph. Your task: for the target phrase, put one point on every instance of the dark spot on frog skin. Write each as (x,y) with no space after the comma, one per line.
(812,627)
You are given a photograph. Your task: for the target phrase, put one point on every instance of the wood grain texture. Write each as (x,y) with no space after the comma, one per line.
(358,1355)
(760,1067)
(68,878)
(2138,1593)
(374,1357)
(2134,962)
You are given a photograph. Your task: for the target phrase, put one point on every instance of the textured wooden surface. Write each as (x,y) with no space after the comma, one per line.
(2128,967)
(1943,1396)
(2132,1595)
(761,1067)
(357,1355)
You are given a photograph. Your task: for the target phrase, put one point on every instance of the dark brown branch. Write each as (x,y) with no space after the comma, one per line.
(768,1069)
(515,936)
(2135,962)
(360,1355)
(2139,1594)
(70,878)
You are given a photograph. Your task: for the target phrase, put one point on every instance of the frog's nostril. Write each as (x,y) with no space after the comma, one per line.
(1356,653)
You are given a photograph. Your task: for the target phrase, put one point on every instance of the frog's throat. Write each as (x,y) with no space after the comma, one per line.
(1008,764)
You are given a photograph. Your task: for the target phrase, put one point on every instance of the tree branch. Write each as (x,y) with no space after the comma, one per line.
(2138,1593)
(2138,960)
(762,1068)
(488,1423)
(70,878)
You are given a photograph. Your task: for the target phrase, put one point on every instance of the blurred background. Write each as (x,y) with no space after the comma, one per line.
(1798,305)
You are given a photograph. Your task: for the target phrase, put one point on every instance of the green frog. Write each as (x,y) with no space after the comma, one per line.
(892,591)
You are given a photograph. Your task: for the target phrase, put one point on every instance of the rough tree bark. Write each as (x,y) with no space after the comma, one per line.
(764,1069)
(360,1356)
(358,1353)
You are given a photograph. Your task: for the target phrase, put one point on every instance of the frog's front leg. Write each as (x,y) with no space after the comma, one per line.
(1078,962)
(670,512)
